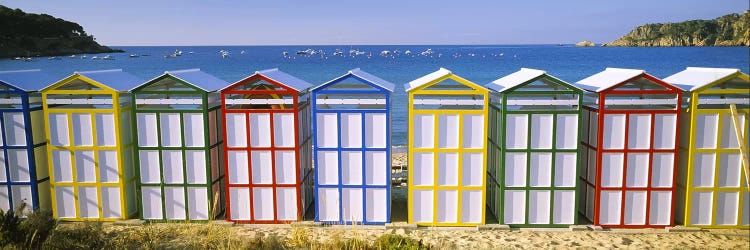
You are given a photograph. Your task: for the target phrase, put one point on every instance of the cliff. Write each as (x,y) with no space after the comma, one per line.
(729,30)
(585,43)
(23,34)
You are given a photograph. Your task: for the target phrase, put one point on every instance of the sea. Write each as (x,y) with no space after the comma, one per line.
(477,63)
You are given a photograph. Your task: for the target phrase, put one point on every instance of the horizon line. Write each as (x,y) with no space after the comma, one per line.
(276,45)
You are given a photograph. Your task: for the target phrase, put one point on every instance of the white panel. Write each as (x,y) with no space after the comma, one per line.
(728,136)
(327,130)
(260,163)
(328,204)
(635,208)
(540,170)
(5,204)
(239,201)
(328,167)
(662,174)
(447,169)
(169,127)
(286,172)
(283,129)
(2,170)
(286,203)
(193,130)
(15,129)
(105,130)
(539,205)
(637,175)
(594,129)
(351,130)
(614,131)
(351,167)
(424,167)
(447,206)
(706,127)
(516,131)
(351,204)
(591,174)
(85,166)
(703,167)
(639,131)
(172,164)
(376,168)
(260,130)
(377,204)
(473,131)
(566,136)
(111,202)
(376,130)
(62,165)
(565,169)
(665,126)
(238,169)
(729,170)
(609,207)
(87,202)
(590,203)
(66,202)
(541,131)
(515,169)
(746,207)
(198,203)
(515,207)
(471,206)
(174,203)
(564,211)
(726,208)
(58,126)
(236,125)
(82,130)
(262,203)
(195,163)
(149,164)
(448,131)
(661,208)
(422,206)
(18,161)
(21,195)
(147,132)
(472,170)
(423,131)
(612,169)
(151,199)
(108,171)
(700,209)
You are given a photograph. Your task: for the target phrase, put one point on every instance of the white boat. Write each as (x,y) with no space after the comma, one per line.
(94,58)
(385,53)
(108,57)
(286,54)
(243,52)
(427,52)
(224,53)
(72,56)
(408,52)
(133,56)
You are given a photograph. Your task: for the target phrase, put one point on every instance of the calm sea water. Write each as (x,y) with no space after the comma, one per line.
(480,64)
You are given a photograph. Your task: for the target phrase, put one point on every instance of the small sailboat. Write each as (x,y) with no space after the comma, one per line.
(134,56)
(108,57)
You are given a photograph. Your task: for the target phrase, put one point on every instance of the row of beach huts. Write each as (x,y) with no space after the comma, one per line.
(621,148)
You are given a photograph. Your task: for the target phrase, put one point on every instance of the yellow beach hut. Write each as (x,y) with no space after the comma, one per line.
(712,185)
(447,146)
(90,146)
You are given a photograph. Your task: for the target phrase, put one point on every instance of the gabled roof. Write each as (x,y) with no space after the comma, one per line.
(693,78)
(27,80)
(195,77)
(113,78)
(365,76)
(279,76)
(519,77)
(431,77)
(607,79)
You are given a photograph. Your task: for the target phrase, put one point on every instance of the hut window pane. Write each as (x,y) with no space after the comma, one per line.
(614,131)
(198,203)
(352,204)
(286,204)
(729,170)
(564,210)
(195,164)
(193,130)
(376,211)
(18,161)
(539,203)
(424,167)
(236,130)
(565,169)
(473,131)
(105,130)
(65,202)
(261,165)
(351,130)
(661,207)
(609,207)
(612,169)
(566,132)
(327,164)
(238,172)
(728,135)
(447,206)
(662,170)
(172,164)
(85,166)
(424,128)
(283,130)
(516,131)
(703,167)
(174,202)
(82,130)
(15,129)
(351,169)
(664,131)
(328,207)
(541,131)
(515,207)
(88,202)
(540,170)
(447,169)
(471,206)
(635,208)
(726,208)
(637,175)
(376,130)
(111,202)
(170,130)
(263,203)
(327,130)
(285,167)
(147,135)
(260,130)
(705,131)
(376,168)
(423,205)
(448,131)
(639,131)
(108,171)
(150,168)
(472,169)
(240,207)
(151,199)
(515,169)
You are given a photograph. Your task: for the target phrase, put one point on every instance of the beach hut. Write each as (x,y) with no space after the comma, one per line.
(24,178)
(90,156)
(629,137)
(533,150)
(177,146)
(712,189)
(351,124)
(447,146)
(268,147)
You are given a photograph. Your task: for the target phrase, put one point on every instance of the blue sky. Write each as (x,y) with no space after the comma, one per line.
(309,22)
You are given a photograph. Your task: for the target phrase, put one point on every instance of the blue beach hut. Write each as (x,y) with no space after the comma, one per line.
(23,160)
(351,124)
